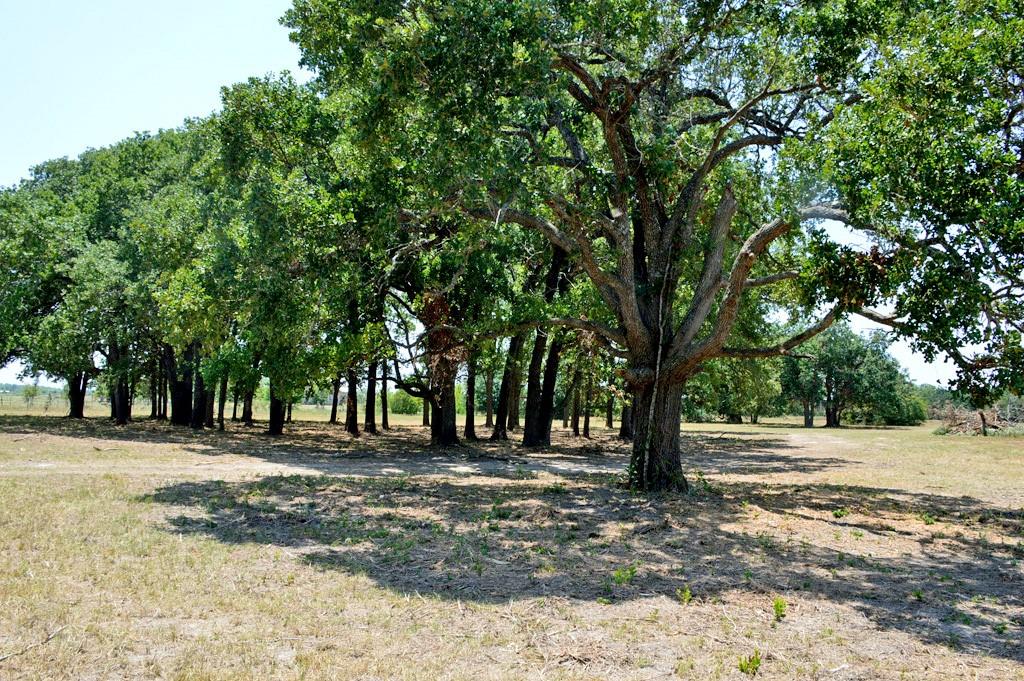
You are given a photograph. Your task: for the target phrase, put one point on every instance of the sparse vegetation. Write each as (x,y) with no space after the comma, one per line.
(751,664)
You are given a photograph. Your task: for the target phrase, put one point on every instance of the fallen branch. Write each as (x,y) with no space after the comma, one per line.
(24,650)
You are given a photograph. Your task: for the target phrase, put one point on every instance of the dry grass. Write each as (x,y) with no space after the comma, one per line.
(169,554)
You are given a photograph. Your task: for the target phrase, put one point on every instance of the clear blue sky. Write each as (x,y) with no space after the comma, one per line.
(79,74)
(85,74)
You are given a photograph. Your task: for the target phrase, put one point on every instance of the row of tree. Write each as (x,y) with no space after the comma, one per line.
(621,194)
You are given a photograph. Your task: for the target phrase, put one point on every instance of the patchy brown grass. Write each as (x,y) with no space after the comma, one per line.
(165,553)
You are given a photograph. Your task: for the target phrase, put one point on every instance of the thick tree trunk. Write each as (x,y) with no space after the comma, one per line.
(76,395)
(180,377)
(199,403)
(370,420)
(469,432)
(352,403)
(547,390)
(335,390)
(443,428)
(505,392)
(627,425)
(832,416)
(277,414)
(808,415)
(734,418)
(247,407)
(489,398)
(755,417)
(533,429)
(655,465)
(384,396)
(122,403)
(223,401)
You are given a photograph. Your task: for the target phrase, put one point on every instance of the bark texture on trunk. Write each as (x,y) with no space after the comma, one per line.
(199,400)
(626,427)
(609,410)
(335,391)
(469,432)
(443,428)
(76,395)
(370,420)
(247,407)
(180,377)
(122,403)
(384,396)
(655,465)
(489,398)
(352,403)
(210,399)
(223,401)
(808,415)
(505,392)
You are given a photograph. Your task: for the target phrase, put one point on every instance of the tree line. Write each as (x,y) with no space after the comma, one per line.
(578,198)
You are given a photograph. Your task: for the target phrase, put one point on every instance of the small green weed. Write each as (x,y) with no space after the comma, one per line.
(750,665)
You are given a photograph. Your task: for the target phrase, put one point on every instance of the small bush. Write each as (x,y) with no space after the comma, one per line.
(750,665)
(624,575)
(779,607)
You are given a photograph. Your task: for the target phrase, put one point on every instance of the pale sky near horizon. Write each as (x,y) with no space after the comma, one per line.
(86,74)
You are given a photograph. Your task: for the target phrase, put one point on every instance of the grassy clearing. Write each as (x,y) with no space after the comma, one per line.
(167,554)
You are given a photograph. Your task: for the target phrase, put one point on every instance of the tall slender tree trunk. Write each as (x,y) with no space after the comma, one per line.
(808,414)
(112,396)
(426,412)
(469,432)
(505,392)
(609,410)
(384,396)
(352,403)
(222,402)
(515,400)
(370,408)
(154,386)
(335,390)
(588,404)
(199,399)
(489,398)
(576,409)
(655,464)
(211,399)
(288,413)
(234,405)
(163,393)
(626,426)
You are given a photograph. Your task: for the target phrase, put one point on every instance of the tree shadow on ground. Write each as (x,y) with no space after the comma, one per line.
(945,570)
(325,448)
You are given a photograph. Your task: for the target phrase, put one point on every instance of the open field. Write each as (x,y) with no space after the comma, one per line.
(152,552)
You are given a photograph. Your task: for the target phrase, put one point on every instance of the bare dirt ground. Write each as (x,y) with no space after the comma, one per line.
(152,552)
